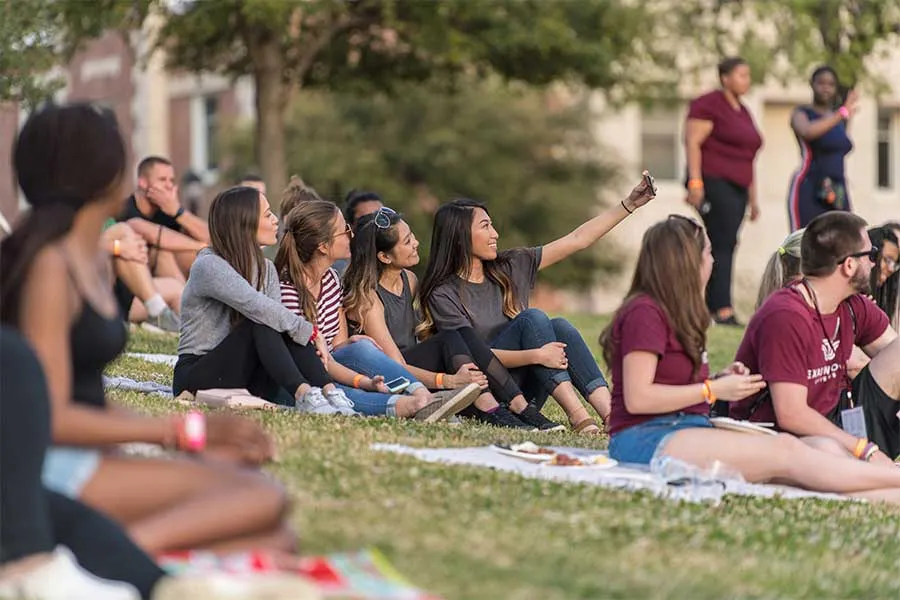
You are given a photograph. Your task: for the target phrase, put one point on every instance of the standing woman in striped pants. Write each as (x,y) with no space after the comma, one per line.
(819,186)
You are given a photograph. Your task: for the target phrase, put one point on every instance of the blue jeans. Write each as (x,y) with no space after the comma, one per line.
(364,357)
(371,404)
(532,329)
(641,443)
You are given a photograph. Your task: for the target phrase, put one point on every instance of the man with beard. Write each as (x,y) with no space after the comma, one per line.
(802,336)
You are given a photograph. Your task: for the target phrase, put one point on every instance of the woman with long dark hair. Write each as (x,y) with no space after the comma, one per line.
(315,236)
(721,142)
(885,281)
(70,162)
(662,389)
(469,283)
(819,185)
(380,292)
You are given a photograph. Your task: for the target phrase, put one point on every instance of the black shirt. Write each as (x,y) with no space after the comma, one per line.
(132,211)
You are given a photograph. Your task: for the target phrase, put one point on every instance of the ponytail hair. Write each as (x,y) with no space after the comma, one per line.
(59,178)
(306,227)
(782,268)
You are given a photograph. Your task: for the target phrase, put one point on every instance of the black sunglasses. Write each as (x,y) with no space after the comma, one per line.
(872,254)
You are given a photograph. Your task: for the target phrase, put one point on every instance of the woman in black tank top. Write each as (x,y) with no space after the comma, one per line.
(380,293)
(55,287)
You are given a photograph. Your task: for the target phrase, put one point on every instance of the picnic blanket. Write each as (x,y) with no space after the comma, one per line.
(622,476)
(363,575)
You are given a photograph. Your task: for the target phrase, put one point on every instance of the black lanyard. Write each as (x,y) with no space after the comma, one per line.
(827,338)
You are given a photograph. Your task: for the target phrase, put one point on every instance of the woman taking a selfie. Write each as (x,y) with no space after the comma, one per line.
(819,185)
(380,300)
(469,283)
(721,142)
(655,347)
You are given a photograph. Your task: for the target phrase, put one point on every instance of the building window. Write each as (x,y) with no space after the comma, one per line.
(660,147)
(211,114)
(886,148)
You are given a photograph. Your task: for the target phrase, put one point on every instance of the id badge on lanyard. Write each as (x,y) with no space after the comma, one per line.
(853,420)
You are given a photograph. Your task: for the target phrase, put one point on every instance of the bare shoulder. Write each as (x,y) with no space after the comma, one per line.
(413,280)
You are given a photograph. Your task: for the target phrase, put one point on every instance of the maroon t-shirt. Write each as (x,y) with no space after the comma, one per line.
(784,342)
(730,149)
(642,325)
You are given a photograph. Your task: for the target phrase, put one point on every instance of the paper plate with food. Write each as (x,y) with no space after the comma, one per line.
(531,452)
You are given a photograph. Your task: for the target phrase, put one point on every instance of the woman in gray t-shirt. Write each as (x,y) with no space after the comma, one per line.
(468,283)
(380,299)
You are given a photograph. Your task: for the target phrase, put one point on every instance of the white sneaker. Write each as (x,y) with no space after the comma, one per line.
(315,403)
(61,578)
(339,400)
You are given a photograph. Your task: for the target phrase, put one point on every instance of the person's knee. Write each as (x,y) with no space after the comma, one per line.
(269,497)
(562,327)
(885,369)
(825,444)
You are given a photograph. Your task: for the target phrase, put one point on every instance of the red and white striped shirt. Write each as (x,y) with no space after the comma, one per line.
(328,305)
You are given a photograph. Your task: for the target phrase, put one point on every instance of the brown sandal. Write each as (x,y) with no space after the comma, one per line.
(585,424)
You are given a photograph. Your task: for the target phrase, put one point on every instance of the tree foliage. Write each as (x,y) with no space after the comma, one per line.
(529,155)
(289,46)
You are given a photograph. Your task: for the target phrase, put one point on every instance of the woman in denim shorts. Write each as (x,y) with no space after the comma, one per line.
(662,390)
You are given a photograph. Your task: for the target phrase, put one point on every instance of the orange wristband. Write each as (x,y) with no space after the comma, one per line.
(356,379)
(695,184)
(117,247)
(860,447)
(439,381)
(708,393)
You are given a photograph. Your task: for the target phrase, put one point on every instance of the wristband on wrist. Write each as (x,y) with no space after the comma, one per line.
(178,213)
(192,432)
(439,381)
(357,379)
(844,112)
(860,447)
(314,334)
(708,393)
(869,451)
(626,208)
(695,184)
(117,247)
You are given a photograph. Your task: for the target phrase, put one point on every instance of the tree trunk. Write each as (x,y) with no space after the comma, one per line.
(271,99)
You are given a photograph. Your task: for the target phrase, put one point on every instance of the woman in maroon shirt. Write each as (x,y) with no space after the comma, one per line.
(721,141)
(656,350)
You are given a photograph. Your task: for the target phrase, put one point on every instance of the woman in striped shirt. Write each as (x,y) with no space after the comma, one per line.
(315,236)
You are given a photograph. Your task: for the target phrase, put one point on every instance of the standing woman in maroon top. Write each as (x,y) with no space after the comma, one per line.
(721,142)
(655,349)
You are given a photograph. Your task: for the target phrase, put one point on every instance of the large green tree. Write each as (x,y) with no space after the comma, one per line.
(291,46)
(528,154)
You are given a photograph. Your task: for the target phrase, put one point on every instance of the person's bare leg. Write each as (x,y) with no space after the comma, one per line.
(518,404)
(601,400)
(167,266)
(486,402)
(177,504)
(136,277)
(826,445)
(782,457)
(569,400)
(885,369)
(408,406)
(185,260)
(170,289)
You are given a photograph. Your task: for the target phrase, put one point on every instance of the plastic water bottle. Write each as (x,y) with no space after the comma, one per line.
(699,484)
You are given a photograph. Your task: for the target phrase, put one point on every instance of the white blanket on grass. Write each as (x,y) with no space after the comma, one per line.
(626,477)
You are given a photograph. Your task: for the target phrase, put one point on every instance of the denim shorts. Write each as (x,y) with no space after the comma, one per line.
(67,469)
(642,443)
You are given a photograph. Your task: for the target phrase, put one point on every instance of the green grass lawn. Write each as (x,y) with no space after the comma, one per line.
(472,533)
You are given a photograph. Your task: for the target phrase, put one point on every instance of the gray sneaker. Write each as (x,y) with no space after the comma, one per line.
(339,400)
(315,403)
(448,402)
(166,321)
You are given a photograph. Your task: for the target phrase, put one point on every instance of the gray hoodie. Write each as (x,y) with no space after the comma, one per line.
(213,287)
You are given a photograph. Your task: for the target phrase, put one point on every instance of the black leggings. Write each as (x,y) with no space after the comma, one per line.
(727,205)
(254,357)
(34,520)
(448,350)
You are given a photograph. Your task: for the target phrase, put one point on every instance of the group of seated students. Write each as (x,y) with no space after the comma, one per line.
(463,339)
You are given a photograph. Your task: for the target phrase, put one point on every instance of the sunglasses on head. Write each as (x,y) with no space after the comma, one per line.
(693,222)
(872,255)
(383,217)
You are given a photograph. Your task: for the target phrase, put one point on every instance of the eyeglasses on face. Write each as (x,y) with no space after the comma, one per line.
(890,263)
(347,231)
(871,254)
